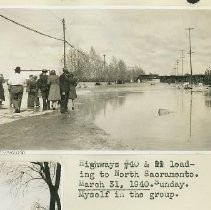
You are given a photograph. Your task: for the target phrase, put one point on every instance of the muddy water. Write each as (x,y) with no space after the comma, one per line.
(152,117)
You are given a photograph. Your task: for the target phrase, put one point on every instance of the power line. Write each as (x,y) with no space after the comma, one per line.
(82,53)
(41,33)
(31,29)
(79,51)
(46,35)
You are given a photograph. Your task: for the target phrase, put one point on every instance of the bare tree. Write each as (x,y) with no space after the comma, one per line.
(91,67)
(48,173)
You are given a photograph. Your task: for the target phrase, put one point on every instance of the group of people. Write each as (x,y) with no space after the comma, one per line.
(55,90)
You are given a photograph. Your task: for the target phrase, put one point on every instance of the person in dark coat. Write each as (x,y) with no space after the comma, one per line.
(32,89)
(28,86)
(37,100)
(64,83)
(72,94)
(42,84)
(2,97)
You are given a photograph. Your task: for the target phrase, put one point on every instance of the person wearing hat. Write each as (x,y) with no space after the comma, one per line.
(64,84)
(16,83)
(42,84)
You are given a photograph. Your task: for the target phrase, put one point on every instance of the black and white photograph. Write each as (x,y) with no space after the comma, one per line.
(105,79)
(30,185)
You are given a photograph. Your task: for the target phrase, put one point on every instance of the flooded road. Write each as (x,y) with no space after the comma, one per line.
(158,117)
(123,117)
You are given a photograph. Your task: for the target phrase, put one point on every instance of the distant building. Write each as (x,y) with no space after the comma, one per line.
(148,77)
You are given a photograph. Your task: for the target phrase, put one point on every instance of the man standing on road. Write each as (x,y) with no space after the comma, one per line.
(16,83)
(64,83)
(42,84)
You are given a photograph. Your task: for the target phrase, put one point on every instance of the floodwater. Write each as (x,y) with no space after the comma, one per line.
(137,116)
(152,117)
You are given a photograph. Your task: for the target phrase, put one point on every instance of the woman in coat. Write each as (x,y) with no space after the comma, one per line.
(54,92)
(73,84)
(2,97)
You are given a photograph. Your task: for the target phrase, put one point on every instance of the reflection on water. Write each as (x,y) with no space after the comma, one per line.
(207,95)
(155,118)
(208,102)
(191,109)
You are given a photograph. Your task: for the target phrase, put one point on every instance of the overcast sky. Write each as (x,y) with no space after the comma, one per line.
(151,39)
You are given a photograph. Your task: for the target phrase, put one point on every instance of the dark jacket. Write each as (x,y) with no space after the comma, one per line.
(2,89)
(73,82)
(32,86)
(64,83)
(42,83)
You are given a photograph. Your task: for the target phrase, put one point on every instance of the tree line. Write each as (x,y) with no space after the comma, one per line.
(91,67)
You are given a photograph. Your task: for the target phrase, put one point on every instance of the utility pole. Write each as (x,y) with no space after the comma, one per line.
(182,57)
(190,52)
(177,63)
(174,69)
(63,22)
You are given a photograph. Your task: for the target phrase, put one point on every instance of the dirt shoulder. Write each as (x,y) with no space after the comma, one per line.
(54,131)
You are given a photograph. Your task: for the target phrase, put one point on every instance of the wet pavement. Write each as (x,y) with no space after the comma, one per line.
(123,117)
(35,129)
